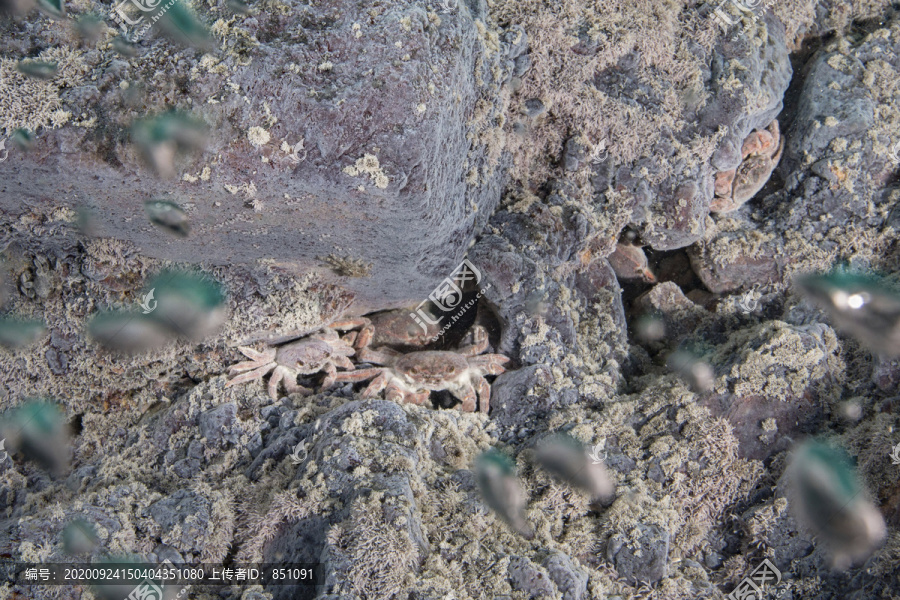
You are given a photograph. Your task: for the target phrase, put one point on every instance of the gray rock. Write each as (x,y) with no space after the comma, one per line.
(187,510)
(647,562)
(571,579)
(403,90)
(529,578)
(220,424)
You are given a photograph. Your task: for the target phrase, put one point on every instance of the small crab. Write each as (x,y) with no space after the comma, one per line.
(323,351)
(412,377)
(761,152)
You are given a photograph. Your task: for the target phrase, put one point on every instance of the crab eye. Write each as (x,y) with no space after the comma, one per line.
(414,370)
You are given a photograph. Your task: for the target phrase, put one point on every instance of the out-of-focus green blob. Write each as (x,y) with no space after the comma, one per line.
(238,6)
(827,496)
(168,216)
(15,334)
(124,47)
(190,304)
(89,27)
(39,431)
(861,306)
(79,537)
(160,138)
(23,139)
(181,25)
(37,69)
(54,8)
(569,461)
(501,491)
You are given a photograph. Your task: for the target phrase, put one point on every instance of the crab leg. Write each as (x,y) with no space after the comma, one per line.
(292,387)
(491,364)
(255,374)
(358,375)
(330,373)
(274,380)
(468,398)
(257,360)
(484,393)
(377,384)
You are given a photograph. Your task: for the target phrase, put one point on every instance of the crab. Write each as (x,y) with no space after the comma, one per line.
(760,152)
(413,376)
(323,351)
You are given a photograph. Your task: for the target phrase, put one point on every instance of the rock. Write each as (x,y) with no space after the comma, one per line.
(571,580)
(645,562)
(369,104)
(679,314)
(529,578)
(220,424)
(187,511)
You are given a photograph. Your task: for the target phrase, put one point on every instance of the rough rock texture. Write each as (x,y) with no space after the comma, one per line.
(398,109)
(168,463)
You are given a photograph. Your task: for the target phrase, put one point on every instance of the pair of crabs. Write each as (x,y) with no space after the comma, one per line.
(404,377)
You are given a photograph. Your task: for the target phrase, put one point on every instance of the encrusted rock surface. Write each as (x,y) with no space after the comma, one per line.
(531,138)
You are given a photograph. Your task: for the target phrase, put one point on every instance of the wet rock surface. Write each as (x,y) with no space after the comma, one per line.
(532,142)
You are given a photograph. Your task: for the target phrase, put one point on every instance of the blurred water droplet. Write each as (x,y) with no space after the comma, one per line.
(862,306)
(37,69)
(571,462)
(190,304)
(124,47)
(182,26)
(23,140)
(15,334)
(827,497)
(38,430)
(54,8)
(501,491)
(694,370)
(128,332)
(161,138)
(79,537)
(169,216)
(238,6)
